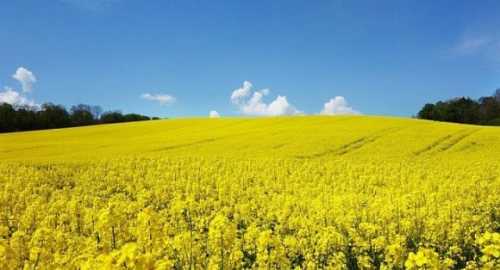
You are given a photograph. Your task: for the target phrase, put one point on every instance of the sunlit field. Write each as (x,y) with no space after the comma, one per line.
(306,192)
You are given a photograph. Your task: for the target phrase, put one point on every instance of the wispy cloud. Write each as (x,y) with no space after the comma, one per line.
(478,42)
(472,45)
(338,106)
(162,99)
(251,102)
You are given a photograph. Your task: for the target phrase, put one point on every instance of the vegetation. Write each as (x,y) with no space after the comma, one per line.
(485,111)
(50,116)
(270,193)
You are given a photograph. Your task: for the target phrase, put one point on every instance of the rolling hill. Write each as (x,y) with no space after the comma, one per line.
(283,137)
(308,192)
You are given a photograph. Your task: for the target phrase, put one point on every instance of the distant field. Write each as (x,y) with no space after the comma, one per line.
(307,192)
(285,137)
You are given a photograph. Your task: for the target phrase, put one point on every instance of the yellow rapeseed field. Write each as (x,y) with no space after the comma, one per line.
(308,192)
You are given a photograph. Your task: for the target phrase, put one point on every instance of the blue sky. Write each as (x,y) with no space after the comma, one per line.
(186,58)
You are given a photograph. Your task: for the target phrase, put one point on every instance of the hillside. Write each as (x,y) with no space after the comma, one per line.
(285,137)
(252,193)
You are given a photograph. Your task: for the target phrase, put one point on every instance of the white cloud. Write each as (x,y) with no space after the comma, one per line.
(213,114)
(253,103)
(241,93)
(160,98)
(25,77)
(338,106)
(15,98)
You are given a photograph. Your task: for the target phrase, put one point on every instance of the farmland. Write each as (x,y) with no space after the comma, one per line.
(305,192)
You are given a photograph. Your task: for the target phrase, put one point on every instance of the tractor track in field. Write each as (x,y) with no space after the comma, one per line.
(182,145)
(455,140)
(278,146)
(20,149)
(353,145)
(196,143)
(363,141)
(446,142)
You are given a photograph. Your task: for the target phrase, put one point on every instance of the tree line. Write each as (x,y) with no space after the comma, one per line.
(484,111)
(47,116)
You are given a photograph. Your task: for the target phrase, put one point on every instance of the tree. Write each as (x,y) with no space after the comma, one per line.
(96,111)
(25,118)
(82,115)
(427,112)
(7,115)
(485,111)
(112,117)
(18,118)
(497,95)
(463,110)
(134,117)
(53,116)
(490,109)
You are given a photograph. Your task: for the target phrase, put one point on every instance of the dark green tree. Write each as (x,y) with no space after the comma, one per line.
(7,116)
(465,110)
(112,117)
(81,115)
(53,116)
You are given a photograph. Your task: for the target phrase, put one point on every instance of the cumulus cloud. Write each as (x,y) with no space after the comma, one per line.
(241,93)
(19,98)
(338,106)
(252,102)
(25,77)
(163,99)
(213,114)
(15,98)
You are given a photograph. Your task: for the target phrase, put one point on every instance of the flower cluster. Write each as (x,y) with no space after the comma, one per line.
(225,213)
